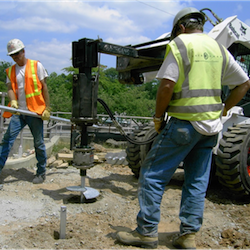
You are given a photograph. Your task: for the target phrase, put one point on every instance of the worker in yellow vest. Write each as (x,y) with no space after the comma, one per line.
(192,75)
(27,90)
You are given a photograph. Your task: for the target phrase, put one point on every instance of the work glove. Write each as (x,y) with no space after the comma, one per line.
(159,124)
(14,104)
(46,113)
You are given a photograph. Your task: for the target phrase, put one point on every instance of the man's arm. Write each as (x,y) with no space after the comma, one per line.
(164,95)
(11,93)
(236,95)
(46,112)
(45,93)
(12,97)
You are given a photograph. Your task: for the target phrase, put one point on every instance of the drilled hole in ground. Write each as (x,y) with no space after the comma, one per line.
(76,199)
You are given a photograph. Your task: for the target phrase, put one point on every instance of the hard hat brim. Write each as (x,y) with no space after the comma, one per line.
(14,51)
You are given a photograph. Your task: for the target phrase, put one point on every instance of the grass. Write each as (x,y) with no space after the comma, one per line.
(59,146)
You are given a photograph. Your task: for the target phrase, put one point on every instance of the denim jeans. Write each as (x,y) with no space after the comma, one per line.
(178,142)
(17,123)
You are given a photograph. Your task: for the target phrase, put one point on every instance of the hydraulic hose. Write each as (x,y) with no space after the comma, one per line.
(119,127)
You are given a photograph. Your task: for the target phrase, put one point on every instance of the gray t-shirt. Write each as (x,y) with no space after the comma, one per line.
(234,75)
(20,73)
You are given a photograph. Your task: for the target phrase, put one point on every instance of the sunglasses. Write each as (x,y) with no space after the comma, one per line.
(16,54)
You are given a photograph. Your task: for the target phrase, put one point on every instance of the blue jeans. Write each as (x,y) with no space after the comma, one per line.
(178,142)
(17,123)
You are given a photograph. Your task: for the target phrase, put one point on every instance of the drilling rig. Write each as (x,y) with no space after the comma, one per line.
(133,63)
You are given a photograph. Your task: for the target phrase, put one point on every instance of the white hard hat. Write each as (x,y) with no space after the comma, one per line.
(14,46)
(187,12)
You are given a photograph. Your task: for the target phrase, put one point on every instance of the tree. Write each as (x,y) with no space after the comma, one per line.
(151,88)
(3,86)
(60,91)
(130,99)
(3,67)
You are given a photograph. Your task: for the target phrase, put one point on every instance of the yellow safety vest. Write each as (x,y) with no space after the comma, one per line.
(202,62)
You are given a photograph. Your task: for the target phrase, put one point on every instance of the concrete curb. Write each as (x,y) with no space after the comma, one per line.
(30,161)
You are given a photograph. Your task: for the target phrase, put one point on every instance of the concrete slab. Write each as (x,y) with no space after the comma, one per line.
(30,161)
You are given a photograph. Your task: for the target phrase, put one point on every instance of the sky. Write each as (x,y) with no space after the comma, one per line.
(48,27)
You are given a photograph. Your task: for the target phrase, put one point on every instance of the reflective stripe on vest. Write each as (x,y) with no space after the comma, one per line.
(9,73)
(33,72)
(189,101)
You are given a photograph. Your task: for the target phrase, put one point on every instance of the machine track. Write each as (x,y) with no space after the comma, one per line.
(233,159)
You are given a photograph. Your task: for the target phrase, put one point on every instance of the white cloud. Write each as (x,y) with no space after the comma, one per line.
(38,24)
(114,17)
(239,7)
(48,27)
(127,40)
(68,17)
(54,55)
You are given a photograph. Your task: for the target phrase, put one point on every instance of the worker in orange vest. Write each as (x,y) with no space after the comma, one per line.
(27,90)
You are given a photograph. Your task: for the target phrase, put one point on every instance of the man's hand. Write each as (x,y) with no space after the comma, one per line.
(46,113)
(159,124)
(14,104)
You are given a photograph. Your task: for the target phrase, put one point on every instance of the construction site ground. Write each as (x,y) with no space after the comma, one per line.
(30,214)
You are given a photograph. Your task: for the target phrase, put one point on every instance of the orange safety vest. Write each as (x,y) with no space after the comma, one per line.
(33,88)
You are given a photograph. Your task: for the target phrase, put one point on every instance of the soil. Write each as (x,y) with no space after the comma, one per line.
(30,215)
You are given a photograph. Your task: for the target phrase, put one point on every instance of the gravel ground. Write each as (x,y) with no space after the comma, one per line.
(30,214)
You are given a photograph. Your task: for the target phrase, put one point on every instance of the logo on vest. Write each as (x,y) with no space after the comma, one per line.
(205,55)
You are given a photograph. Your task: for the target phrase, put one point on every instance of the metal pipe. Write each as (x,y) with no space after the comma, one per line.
(63,222)
(29,113)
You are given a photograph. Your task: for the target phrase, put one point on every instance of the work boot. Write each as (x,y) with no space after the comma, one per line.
(39,179)
(135,239)
(186,241)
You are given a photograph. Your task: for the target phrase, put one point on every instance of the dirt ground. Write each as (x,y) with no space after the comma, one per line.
(30,214)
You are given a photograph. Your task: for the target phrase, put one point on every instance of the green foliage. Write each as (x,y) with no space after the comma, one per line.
(129,99)
(71,70)
(151,88)
(3,87)
(108,81)
(3,67)
(121,99)
(59,146)
(60,91)
(133,101)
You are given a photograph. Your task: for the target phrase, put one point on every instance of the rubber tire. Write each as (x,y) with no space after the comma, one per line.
(233,160)
(136,154)
(148,132)
(133,154)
